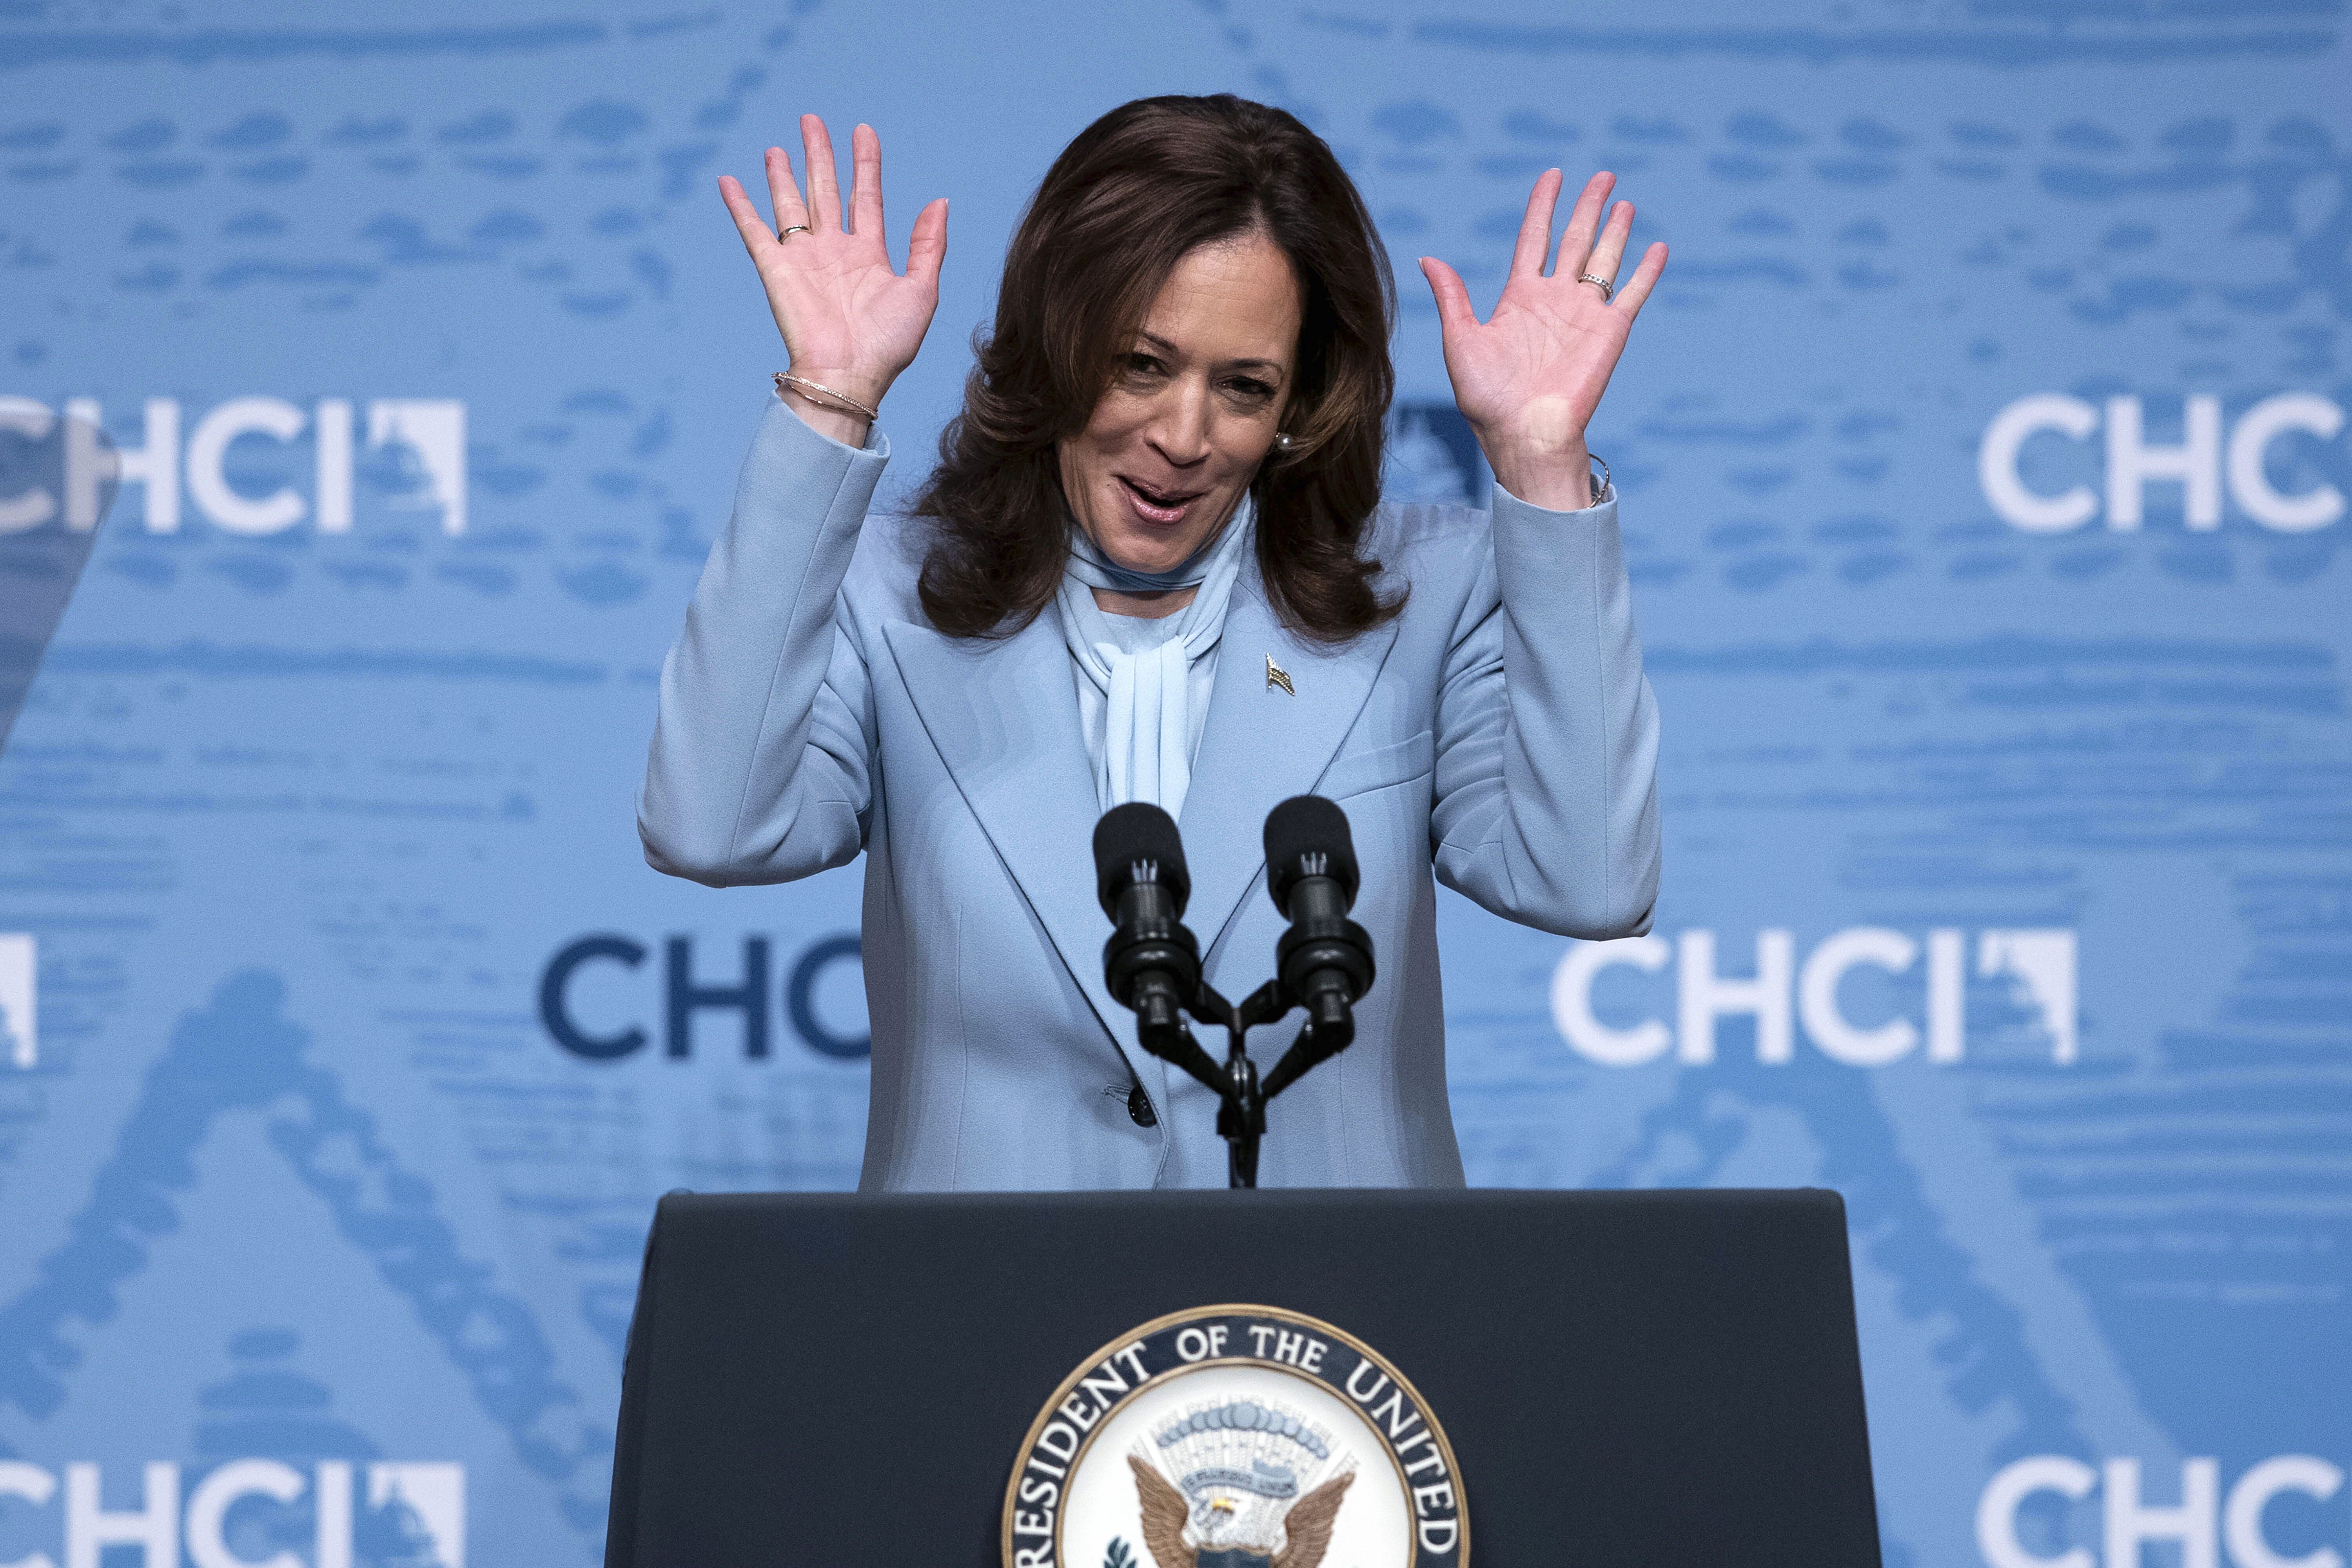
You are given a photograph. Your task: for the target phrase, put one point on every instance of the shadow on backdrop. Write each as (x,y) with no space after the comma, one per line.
(48,521)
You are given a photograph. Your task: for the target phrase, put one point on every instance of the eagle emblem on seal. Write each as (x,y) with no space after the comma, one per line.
(1242,1484)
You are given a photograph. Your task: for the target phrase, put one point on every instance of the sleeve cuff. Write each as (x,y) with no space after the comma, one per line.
(794,430)
(1504,501)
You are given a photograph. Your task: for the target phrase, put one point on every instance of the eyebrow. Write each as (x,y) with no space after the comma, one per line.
(1159,342)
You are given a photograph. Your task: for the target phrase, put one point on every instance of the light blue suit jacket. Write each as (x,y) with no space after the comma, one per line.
(1500,733)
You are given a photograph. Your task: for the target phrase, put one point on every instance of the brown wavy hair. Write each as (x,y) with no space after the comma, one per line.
(1137,190)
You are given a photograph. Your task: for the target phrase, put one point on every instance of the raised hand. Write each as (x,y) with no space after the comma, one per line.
(1529,378)
(849,322)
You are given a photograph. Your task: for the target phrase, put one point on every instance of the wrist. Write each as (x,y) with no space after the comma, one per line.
(1558,480)
(833,424)
(828,406)
(1538,455)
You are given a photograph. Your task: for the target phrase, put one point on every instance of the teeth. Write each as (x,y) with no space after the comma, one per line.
(1154,497)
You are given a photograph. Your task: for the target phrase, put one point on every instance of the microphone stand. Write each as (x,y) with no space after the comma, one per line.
(1242,1097)
(1151,964)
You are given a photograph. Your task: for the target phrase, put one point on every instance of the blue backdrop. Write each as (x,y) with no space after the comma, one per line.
(1984,471)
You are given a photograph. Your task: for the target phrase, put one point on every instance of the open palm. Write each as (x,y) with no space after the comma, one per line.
(1529,378)
(848,319)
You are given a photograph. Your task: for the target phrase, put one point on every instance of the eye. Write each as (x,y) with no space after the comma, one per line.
(1141,364)
(1250,387)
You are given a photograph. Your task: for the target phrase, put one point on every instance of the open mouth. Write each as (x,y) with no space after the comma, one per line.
(1157,505)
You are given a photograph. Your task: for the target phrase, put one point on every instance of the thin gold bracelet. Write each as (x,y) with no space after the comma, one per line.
(805,386)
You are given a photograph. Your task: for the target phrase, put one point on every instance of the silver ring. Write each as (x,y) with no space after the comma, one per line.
(795,229)
(1607,289)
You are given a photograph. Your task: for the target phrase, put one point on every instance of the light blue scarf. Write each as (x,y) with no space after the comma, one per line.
(1145,752)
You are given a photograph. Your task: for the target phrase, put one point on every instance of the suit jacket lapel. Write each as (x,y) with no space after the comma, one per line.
(1004,717)
(1263,745)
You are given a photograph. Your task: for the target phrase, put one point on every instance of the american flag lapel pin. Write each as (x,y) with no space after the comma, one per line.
(1275,676)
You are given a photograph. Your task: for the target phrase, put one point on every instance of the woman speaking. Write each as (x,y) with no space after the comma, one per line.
(1152,564)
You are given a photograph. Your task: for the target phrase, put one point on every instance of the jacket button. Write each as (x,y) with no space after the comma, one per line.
(1138,1108)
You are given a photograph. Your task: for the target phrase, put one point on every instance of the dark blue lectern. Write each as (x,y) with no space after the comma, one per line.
(1626,1378)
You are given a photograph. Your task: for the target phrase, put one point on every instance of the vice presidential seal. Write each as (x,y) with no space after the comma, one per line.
(1236,1437)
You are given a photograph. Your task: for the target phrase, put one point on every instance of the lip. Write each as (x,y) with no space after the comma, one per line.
(1155,505)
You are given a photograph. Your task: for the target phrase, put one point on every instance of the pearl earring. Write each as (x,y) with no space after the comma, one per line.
(1282,439)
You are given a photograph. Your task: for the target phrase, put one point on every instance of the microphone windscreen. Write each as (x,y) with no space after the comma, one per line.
(1307,836)
(1138,833)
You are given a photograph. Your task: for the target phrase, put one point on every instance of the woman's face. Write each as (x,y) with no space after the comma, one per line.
(1193,408)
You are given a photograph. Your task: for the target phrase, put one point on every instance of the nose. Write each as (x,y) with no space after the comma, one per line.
(1180,428)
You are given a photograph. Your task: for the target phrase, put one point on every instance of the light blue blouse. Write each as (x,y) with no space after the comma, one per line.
(1140,635)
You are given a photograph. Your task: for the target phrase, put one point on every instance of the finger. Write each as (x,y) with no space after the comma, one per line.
(824,187)
(866,183)
(1645,277)
(1609,251)
(1535,228)
(783,192)
(1453,312)
(928,247)
(758,238)
(1576,242)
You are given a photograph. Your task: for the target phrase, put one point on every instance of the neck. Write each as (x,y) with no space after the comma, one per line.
(1148,594)
(1149,606)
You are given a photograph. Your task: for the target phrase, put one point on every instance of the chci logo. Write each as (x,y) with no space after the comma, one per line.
(1236,1437)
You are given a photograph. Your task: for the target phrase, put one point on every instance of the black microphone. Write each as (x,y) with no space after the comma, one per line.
(1151,963)
(1325,959)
